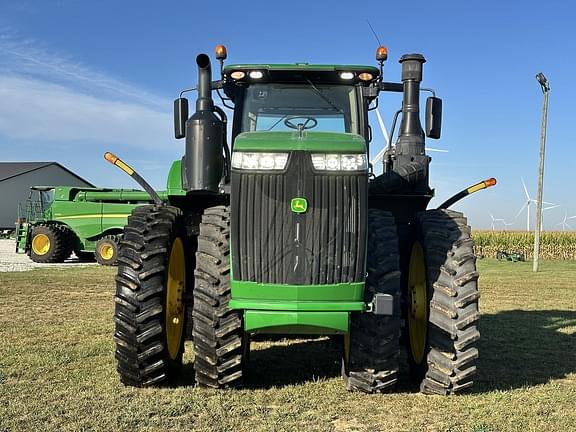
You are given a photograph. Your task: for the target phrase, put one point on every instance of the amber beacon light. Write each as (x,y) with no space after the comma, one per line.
(220,52)
(381,54)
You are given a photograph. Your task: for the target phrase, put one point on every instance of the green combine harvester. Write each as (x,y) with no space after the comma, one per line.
(288,231)
(58,220)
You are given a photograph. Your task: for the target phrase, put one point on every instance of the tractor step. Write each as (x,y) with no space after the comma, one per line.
(22,232)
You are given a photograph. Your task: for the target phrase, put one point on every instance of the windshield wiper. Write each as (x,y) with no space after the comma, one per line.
(319,93)
(276,124)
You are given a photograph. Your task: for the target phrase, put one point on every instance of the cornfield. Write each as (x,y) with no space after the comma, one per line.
(553,245)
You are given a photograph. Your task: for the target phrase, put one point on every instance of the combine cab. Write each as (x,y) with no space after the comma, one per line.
(287,231)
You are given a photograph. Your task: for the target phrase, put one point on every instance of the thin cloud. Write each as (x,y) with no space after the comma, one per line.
(35,110)
(26,57)
(47,97)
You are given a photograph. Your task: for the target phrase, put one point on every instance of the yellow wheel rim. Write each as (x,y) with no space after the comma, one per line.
(107,251)
(40,244)
(418,307)
(175,286)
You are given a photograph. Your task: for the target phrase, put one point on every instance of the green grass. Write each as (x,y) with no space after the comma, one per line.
(57,369)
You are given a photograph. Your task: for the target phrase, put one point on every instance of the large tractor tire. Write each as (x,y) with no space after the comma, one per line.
(219,341)
(372,348)
(106,251)
(49,244)
(150,286)
(442,306)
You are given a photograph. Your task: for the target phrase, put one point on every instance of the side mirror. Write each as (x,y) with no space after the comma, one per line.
(180,117)
(433,117)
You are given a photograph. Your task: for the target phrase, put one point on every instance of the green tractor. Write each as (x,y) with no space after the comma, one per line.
(289,232)
(58,220)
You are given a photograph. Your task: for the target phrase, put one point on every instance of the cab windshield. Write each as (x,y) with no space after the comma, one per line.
(46,198)
(314,107)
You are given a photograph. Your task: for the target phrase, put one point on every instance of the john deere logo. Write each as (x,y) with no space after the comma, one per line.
(299,205)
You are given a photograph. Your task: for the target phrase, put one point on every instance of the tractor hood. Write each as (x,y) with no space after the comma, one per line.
(308,141)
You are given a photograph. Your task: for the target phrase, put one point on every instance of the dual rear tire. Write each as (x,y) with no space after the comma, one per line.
(220,345)
(152,286)
(371,348)
(438,302)
(442,304)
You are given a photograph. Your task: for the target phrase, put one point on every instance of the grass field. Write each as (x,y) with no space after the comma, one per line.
(57,370)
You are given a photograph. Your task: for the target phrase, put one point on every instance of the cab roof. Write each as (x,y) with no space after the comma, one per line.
(300,72)
(302,67)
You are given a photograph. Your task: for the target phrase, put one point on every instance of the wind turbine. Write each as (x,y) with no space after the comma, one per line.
(380,154)
(388,139)
(507,224)
(494,220)
(530,201)
(564,223)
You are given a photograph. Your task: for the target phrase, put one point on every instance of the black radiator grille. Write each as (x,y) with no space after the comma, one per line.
(324,245)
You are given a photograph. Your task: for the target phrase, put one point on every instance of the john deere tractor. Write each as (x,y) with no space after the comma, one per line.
(286,230)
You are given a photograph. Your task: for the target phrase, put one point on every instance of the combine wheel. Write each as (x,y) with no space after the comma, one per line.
(150,286)
(219,342)
(106,251)
(442,306)
(371,349)
(69,238)
(49,244)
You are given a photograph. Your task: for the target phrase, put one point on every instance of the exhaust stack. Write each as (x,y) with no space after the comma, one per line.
(204,101)
(205,133)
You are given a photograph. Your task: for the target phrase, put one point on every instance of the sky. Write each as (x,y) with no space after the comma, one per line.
(79,78)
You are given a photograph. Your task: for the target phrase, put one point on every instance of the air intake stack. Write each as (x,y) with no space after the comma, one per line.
(409,173)
(411,135)
(411,160)
(205,134)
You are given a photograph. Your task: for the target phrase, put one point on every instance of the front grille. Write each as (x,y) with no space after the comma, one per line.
(324,245)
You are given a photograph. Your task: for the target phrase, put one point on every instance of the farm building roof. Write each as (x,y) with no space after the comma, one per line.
(13,169)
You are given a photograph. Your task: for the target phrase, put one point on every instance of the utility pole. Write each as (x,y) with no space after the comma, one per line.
(545,89)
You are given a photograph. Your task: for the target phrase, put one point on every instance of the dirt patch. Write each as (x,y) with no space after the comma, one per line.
(10,261)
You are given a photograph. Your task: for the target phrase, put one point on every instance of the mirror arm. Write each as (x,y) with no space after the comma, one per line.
(391,87)
(430,90)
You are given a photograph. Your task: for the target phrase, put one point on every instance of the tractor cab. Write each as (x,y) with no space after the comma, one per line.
(298,98)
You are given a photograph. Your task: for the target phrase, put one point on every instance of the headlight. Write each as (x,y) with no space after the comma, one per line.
(339,162)
(259,161)
(237,75)
(256,74)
